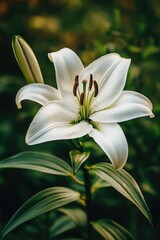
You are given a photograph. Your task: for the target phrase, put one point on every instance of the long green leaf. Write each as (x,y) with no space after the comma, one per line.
(61,225)
(98,183)
(42,202)
(42,162)
(111,230)
(124,183)
(77,215)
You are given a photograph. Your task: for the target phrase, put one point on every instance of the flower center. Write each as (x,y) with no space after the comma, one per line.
(84,97)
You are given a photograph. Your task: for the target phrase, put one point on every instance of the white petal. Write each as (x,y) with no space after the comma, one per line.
(100,67)
(111,139)
(54,121)
(111,84)
(130,105)
(40,93)
(67,66)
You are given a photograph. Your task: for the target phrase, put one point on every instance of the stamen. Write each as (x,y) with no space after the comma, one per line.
(95,88)
(77,79)
(82,98)
(75,89)
(76,84)
(90,82)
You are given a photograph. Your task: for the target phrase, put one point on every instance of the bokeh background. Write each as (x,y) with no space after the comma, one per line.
(91,28)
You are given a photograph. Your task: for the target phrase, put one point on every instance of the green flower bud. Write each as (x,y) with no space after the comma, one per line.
(26,60)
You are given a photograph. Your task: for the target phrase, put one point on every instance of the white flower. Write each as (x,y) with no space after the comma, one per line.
(89,101)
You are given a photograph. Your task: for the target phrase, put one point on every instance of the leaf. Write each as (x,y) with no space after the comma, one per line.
(99,183)
(42,202)
(124,183)
(38,161)
(77,158)
(111,230)
(61,225)
(77,215)
(72,238)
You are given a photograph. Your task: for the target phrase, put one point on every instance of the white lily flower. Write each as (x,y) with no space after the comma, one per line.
(89,101)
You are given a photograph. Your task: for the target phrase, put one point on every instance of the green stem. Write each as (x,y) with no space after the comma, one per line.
(87,186)
(88,201)
(77,144)
(77,180)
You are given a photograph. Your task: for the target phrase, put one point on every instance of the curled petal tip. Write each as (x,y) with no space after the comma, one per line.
(152,116)
(50,57)
(27,140)
(19,106)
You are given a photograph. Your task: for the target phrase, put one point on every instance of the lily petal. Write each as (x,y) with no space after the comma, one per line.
(111,84)
(100,66)
(40,93)
(130,105)
(67,65)
(112,140)
(55,121)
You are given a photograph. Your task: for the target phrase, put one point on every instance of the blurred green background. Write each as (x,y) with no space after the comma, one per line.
(91,28)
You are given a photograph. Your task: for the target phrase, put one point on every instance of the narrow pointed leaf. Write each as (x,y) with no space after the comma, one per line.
(77,215)
(40,203)
(111,230)
(26,60)
(73,218)
(99,183)
(124,183)
(61,225)
(42,162)
(77,158)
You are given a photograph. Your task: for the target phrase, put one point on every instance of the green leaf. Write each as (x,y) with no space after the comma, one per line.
(77,215)
(99,183)
(61,225)
(77,158)
(124,183)
(111,230)
(42,202)
(26,60)
(38,161)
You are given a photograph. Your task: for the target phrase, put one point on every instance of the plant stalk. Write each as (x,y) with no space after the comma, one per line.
(88,201)
(78,145)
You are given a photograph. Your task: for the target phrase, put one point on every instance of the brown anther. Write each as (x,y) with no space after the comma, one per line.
(90,82)
(75,89)
(82,98)
(76,84)
(77,79)
(95,88)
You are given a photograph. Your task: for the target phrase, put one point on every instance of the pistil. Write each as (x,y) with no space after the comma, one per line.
(84,82)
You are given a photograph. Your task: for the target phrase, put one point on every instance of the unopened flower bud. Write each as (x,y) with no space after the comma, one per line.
(26,60)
